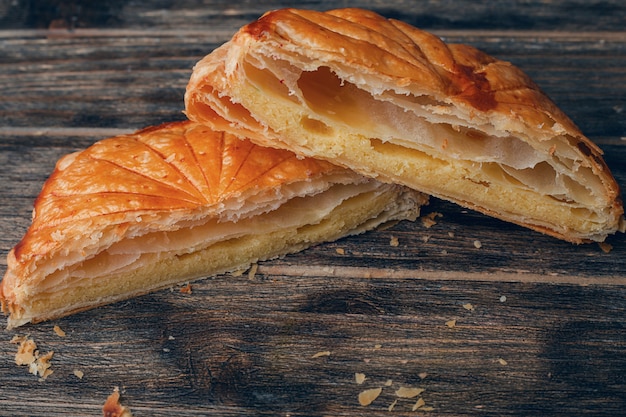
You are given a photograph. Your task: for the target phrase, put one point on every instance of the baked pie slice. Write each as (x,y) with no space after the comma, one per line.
(169,204)
(395,103)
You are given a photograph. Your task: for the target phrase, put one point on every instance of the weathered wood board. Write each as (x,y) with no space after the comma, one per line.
(486,317)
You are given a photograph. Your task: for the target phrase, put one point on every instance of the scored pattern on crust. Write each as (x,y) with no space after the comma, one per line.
(413,58)
(163,168)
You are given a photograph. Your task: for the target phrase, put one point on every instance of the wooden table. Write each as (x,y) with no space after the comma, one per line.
(522,325)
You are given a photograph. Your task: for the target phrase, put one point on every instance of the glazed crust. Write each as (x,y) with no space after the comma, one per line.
(172,203)
(447,119)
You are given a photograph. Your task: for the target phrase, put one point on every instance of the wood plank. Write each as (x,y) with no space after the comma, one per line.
(430,14)
(230,348)
(92,79)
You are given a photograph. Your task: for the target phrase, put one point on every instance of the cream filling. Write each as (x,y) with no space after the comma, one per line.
(549,166)
(128,226)
(133,252)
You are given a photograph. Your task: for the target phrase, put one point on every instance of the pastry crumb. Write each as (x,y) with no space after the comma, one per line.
(394,241)
(28,355)
(502,361)
(478,244)
(186,289)
(78,374)
(113,408)
(42,365)
(606,247)
(59,332)
(320,354)
(429,220)
(451,323)
(392,405)
(359,378)
(26,350)
(408,392)
(340,251)
(368,396)
(17,339)
(468,307)
(419,404)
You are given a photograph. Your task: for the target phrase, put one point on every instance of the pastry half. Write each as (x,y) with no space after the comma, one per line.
(168,204)
(398,104)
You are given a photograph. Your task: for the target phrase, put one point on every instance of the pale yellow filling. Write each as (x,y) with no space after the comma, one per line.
(162,259)
(424,145)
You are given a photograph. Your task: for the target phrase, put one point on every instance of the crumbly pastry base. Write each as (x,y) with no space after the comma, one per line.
(355,215)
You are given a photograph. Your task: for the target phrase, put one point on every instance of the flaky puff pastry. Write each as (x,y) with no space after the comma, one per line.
(398,104)
(168,204)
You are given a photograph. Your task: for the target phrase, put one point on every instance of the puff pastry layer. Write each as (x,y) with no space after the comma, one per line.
(168,204)
(398,104)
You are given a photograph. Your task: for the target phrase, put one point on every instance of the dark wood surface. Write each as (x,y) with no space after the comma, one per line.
(539,324)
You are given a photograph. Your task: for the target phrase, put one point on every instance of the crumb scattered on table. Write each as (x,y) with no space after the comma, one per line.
(419,404)
(28,354)
(186,289)
(429,220)
(606,247)
(58,331)
(408,392)
(113,408)
(369,395)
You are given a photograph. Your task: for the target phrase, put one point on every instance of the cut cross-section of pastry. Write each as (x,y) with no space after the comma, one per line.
(168,204)
(396,103)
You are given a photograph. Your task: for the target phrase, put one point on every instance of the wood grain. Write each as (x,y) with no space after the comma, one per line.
(530,15)
(201,354)
(522,325)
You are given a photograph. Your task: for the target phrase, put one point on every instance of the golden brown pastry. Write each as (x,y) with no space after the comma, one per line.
(398,104)
(168,204)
